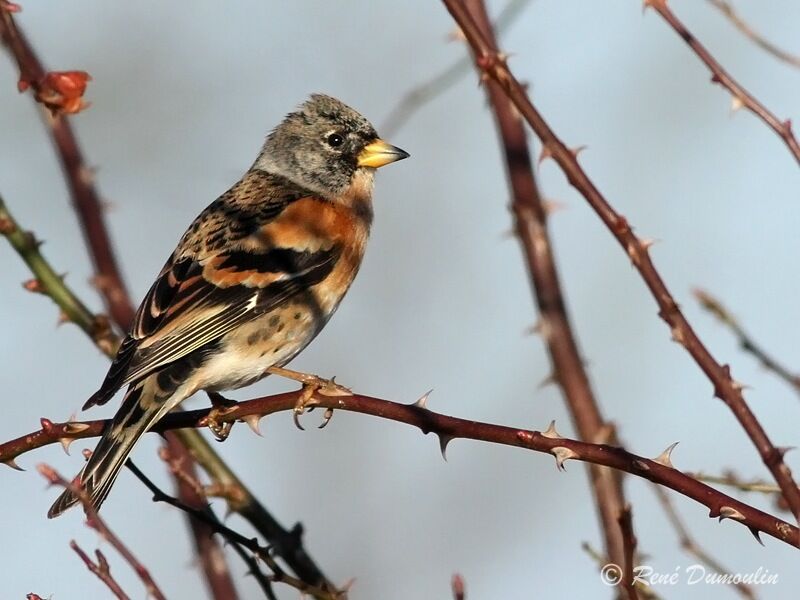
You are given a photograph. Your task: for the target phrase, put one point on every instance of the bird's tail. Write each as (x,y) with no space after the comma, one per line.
(140,408)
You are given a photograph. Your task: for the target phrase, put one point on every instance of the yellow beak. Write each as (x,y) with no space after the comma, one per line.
(379,153)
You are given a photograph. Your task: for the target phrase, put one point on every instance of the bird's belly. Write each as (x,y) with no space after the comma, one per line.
(247,352)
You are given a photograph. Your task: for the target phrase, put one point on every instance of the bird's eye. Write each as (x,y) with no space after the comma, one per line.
(335,140)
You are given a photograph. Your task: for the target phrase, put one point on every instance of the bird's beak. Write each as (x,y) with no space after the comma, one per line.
(379,153)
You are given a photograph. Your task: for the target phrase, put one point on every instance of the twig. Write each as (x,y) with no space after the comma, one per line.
(212,557)
(716,308)
(691,547)
(431,89)
(101,569)
(207,517)
(729,391)
(762,42)
(629,542)
(458,587)
(741,97)
(51,284)
(98,524)
(729,479)
(447,428)
(530,222)
(80,179)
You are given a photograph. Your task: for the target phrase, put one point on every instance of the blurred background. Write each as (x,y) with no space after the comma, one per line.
(182,99)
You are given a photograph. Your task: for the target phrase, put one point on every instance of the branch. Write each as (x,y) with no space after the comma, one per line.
(208,518)
(691,547)
(727,9)
(741,97)
(51,284)
(530,222)
(96,522)
(729,391)
(101,569)
(447,428)
(458,587)
(212,557)
(80,180)
(627,581)
(716,308)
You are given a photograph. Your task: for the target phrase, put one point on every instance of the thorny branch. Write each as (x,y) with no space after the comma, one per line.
(716,308)
(494,67)
(530,222)
(658,470)
(741,97)
(691,547)
(96,522)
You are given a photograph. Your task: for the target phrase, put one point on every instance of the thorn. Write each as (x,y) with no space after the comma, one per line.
(549,380)
(457,35)
(443,441)
(47,424)
(13,464)
(562,455)
(577,150)
(253,423)
(553,206)
(62,318)
(65,444)
(782,450)
(542,328)
(665,458)
(736,104)
(551,432)
(726,512)
(756,534)
(647,243)
(72,427)
(677,335)
(545,154)
(423,400)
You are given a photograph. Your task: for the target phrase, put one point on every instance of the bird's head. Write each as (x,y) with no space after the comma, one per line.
(323,145)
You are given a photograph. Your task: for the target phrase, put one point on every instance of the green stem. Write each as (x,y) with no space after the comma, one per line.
(51,284)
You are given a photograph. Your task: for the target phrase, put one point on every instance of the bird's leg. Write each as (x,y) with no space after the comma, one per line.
(311,384)
(221,405)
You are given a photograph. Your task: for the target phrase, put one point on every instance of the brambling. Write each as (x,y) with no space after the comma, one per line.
(252,281)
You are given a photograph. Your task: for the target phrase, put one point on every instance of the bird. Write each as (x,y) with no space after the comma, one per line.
(251,282)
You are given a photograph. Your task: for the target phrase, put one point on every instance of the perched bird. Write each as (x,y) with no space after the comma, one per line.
(251,282)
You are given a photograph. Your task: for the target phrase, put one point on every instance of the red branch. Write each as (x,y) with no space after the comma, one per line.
(530,221)
(729,391)
(719,75)
(96,522)
(79,177)
(447,428)
(101,569)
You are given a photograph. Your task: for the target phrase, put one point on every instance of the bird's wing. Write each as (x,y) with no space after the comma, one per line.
(198,299)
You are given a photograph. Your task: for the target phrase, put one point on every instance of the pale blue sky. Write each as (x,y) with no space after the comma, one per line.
(182,98)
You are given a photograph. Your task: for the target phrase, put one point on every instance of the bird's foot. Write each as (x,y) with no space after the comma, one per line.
(312,384)
(221,406)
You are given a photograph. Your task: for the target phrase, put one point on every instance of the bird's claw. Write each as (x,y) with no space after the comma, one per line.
(325,387)
(221,407)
